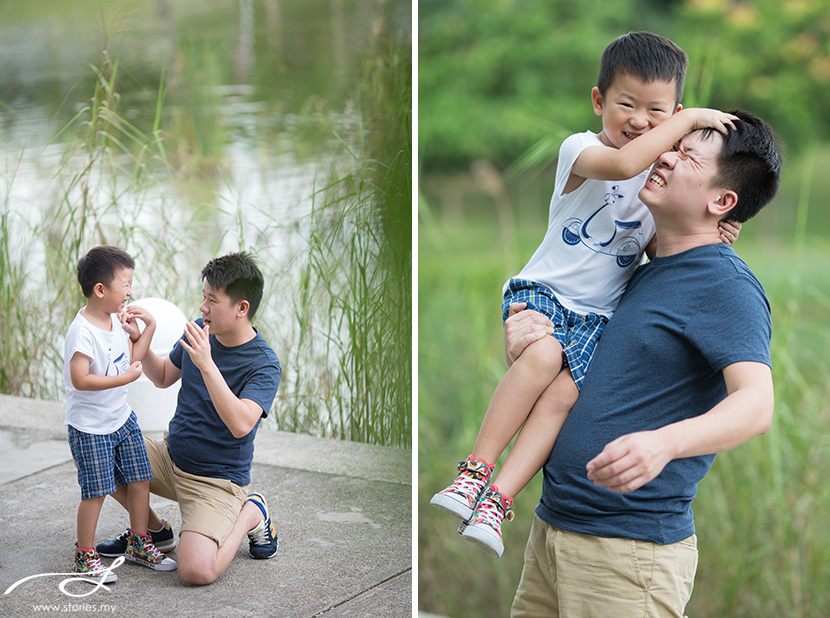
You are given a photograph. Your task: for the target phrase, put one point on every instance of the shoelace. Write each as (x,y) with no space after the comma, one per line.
(472,480)
(261,536)
(153,551)
(93,565)
(150,550)
(466,484)
(96,565)
(492,512)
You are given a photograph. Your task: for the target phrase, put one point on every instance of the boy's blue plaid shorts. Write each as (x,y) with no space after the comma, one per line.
(578,334)
(107,461)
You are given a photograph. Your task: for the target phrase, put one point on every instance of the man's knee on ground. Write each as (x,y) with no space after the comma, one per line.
(196,557)
(196,573)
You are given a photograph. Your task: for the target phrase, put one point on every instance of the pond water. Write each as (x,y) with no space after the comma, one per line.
(257,115)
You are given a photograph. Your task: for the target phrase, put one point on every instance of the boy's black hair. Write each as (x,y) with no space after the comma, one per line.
(239,276)
(100,266)
(749,164)
(645,55)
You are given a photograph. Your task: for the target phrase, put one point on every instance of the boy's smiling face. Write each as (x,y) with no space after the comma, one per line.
(114,296)
(631,107)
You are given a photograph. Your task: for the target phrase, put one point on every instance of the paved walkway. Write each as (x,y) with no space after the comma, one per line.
(342,511)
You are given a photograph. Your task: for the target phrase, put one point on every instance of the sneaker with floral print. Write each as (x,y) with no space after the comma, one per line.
(484,529)
(140,549)
(88,566)
(461,497)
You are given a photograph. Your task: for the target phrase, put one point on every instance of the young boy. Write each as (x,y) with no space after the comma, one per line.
(598,231)
(102,356)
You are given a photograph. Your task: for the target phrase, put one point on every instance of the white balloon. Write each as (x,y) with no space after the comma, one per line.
(153,406)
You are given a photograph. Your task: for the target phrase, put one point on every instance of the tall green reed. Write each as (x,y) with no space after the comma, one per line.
(112,185)
(358,277)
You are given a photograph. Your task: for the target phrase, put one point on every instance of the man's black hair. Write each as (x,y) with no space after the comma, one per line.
(100,266)
(645,55)
(239,276)
(749,164)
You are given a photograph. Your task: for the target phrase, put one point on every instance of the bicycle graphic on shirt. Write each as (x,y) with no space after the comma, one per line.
(119,365)
(625,250)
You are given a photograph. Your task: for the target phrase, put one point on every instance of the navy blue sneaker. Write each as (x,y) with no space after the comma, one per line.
(163,539)
(262,540)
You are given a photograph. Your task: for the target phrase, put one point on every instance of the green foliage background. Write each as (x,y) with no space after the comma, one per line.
(499,87)
(494,80)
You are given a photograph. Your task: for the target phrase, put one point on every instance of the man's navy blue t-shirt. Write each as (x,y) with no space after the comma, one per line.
(682,320)
(199,442)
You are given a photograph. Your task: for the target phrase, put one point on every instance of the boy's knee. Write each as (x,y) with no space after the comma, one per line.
(544,355)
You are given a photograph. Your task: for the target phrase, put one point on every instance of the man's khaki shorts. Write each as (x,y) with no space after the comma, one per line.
(568,574)
(209,506)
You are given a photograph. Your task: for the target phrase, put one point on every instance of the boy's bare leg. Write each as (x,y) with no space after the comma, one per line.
(88,512)
(138,505)
(536,439)
(515,396)
(201,560)
(121,496)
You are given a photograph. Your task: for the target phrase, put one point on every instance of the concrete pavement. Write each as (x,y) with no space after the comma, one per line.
(342,511)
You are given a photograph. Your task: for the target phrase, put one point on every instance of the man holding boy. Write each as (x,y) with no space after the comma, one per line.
(229,379)
(682,373)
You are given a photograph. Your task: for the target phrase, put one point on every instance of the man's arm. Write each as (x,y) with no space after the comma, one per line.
(161,371)
(632,460)
(239,415)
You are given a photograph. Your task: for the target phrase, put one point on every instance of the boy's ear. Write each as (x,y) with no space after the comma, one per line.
(98,290)
(597,100)
(726,201)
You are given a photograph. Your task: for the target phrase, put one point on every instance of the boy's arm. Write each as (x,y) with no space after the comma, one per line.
(160,371)
(141,344)
(239,415)
(634,459)
(729,231)
(606,163)
(85,381)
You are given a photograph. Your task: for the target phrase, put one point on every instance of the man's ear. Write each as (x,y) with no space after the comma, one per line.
(242,308)
(597,100)
(726,201)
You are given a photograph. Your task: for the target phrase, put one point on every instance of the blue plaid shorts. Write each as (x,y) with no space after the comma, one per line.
(110,460)
(578,334)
